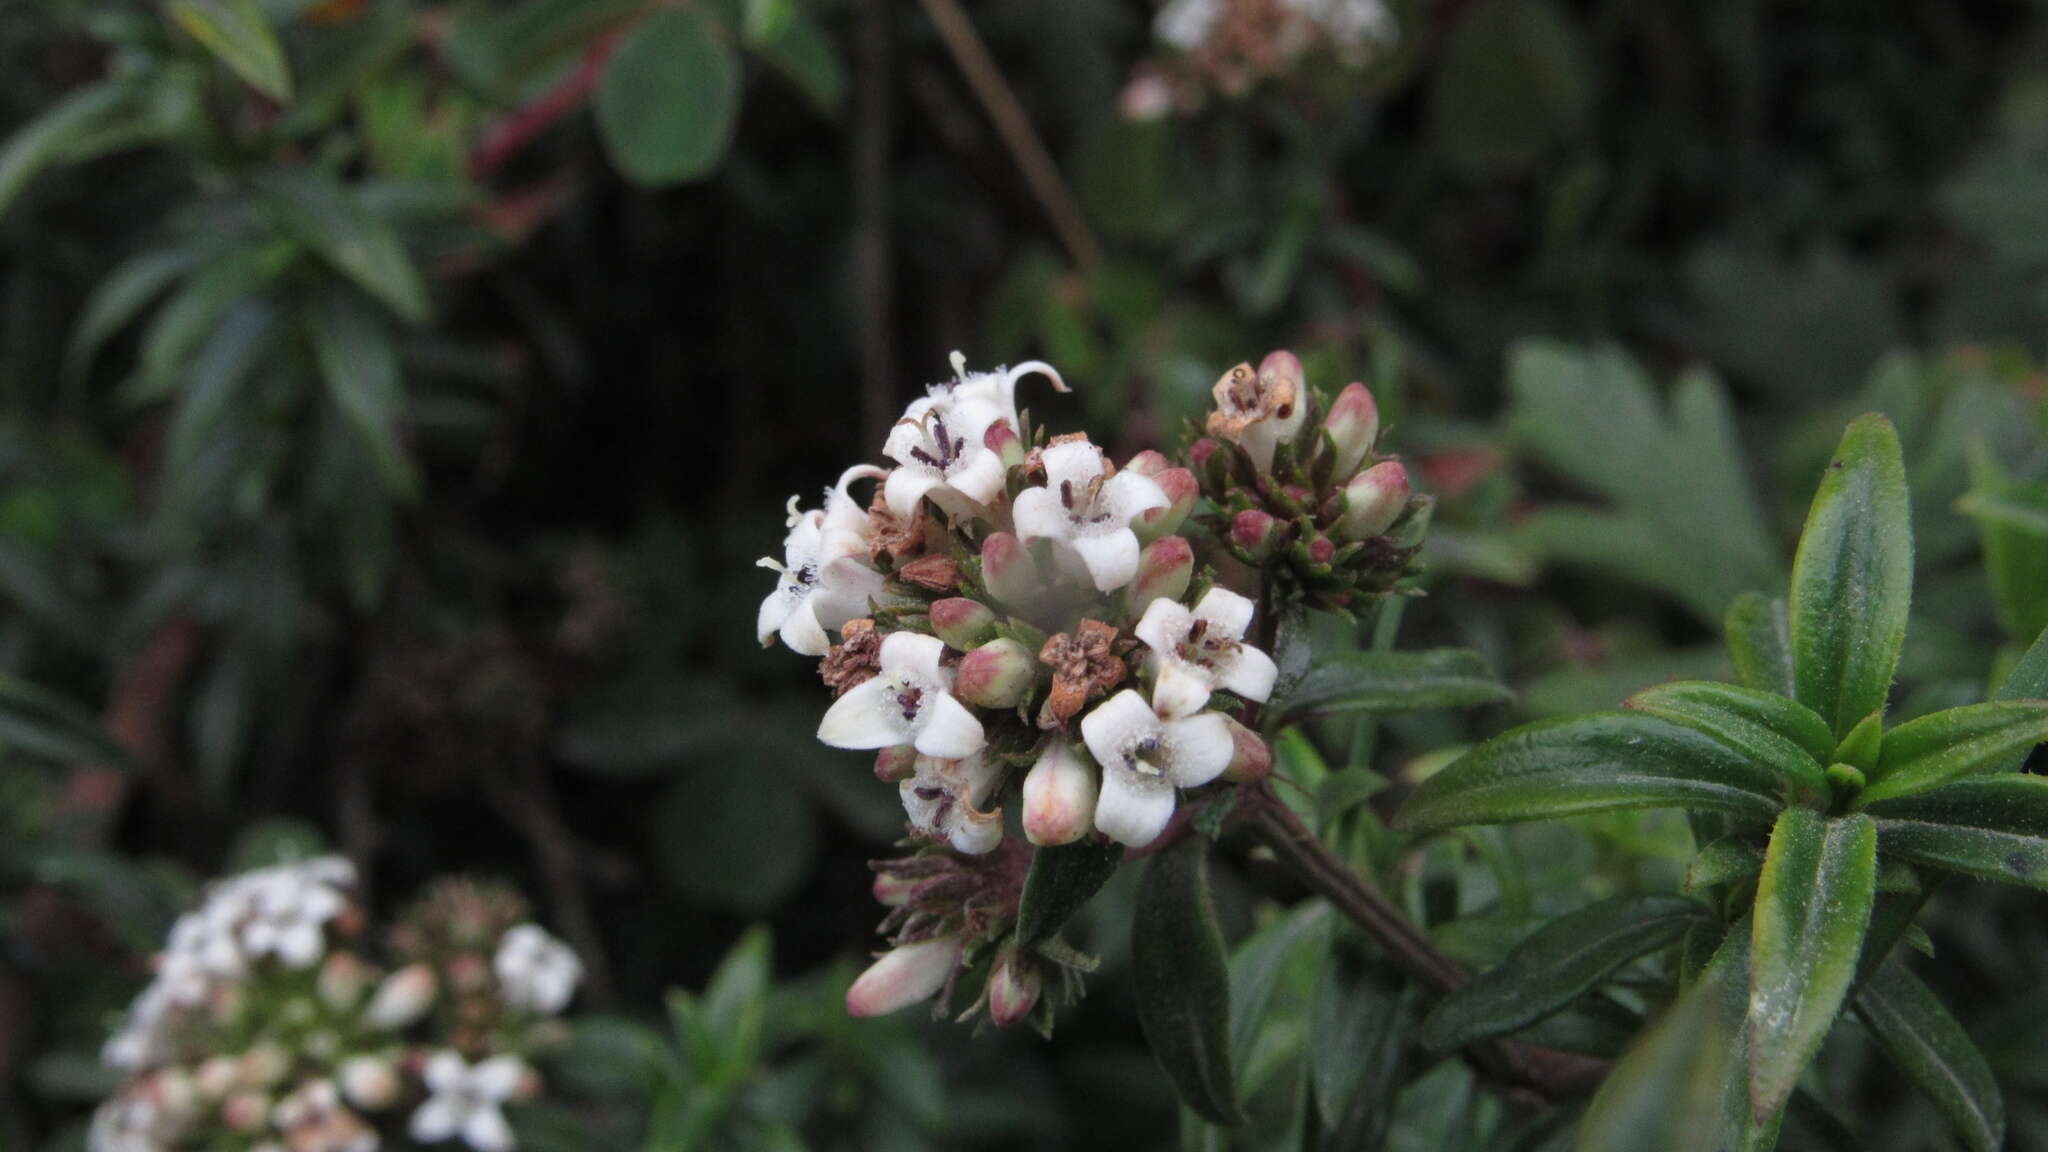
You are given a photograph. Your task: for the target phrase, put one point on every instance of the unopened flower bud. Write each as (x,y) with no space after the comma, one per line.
(892,890)
(905,976)
(1353,425)
(1002,440)
(246,1111)
(403,998)
(1317,551)
(1251,759)
(1255,532)
(1013,986)
(218,1076)
(173,1090)
(264,1066)
(1007,569)
(999,674)
(894,764)
(1148,463)
(962,623)
(343,980)
(1059,797)
(1283,367)
(1181,489)
(1373,500)
(1164,569)
(369,1083)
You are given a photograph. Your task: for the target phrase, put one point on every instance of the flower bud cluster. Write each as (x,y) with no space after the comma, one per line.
(1229,46)
(269,1026)
(1043,647)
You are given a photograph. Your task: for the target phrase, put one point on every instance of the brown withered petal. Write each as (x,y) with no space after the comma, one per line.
(1243,399)
(892,538)
(936,573)
(1084,667)
(854,660)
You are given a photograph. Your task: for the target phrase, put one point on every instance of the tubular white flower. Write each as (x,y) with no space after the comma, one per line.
(466,1101)
(1088,511)
(1196,651)
(824,579)
(904,976)
(536,971)
(944,801)
(938,445)
(1144,758)
(909,701)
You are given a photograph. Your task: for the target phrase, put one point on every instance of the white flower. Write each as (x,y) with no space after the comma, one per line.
(939,444)
(1144,758)
(288,911)
(943,799)
(314,1119)
(909,701)
(1089,511)
(536,971)
(1195,652)
(1259,409)
(465,1101)
(824,581)
(1185,24)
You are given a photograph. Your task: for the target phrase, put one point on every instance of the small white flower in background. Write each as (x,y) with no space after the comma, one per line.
(289,909)
(536,971)
(466,1101)
(403,998)
(314,1119)
(1196,651)
(1144,758)
(909,701)
(1185,24)
(1089,511)
(939,445)
(943,799)
(1350,23)
(824,582)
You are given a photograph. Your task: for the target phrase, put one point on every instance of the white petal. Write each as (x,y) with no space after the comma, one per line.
(774,610)
(301,943)
(908,432)
(1077,463)
(949,731)
(1228,613)
(1039,516)
(1111,558)
(845,588)
(802,633)
(979,476)
(914,653)
(907,485)
(1202,748)
(1134,807)
(1127,494)
(974,837)
(1164,625)
(866,717)
(1182,690)
(486,1131)
(1250,674)
(445,1071)
(435,1120)
(1114,725)
(497,1078)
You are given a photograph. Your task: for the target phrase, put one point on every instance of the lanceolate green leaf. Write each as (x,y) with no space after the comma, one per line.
(239,34)
(1933,750)
(1783,733)
(1607,761)
(1183,980)
(1931,1048)
(2028,680)
(1812,907)
(329,218)
(358,359)
(39,723)
(1853,578)
(1557,964)
(1393,682)
(1356,1035)
(1759,635)
(1994,827)
(1061,880)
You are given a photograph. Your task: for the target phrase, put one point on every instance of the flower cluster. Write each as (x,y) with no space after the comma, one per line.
(1016,624)
(267,1027)
(1229,46)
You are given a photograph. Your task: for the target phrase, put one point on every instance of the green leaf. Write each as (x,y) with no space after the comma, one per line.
(1061,880)
(806,56)
(1993,827)
(1256,969)
(1356,1035)
(1863,745)
(1783,733)
(119,297)
(37,722)
(2012,522)
(276,840)
(1392,682)
(1183,981)
(332,220)
(1935,1053)
(1852,580)
(1513,81)
(50,138)
(215,383)
(734,1006)
(1721,862)
(724,840)
(1933,750)
(358,360)
(239,35)
(1603,762)
(1812,907)
(1759,633)
(1557,964)
(2028,680)
(669,99)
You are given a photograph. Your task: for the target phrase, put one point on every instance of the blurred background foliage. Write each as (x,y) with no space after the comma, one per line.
(394,395)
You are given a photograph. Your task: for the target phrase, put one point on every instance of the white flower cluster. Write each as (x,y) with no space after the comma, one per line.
(265,1029)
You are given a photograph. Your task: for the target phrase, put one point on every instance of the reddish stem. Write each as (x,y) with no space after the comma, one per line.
(506,138)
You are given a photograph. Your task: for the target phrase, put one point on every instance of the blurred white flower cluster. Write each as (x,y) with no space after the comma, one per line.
(1229,46)
(268,1028)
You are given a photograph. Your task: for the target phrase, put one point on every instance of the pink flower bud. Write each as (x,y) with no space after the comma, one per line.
(265,1065)
(962,623)
(1164,570)
(1373,500)
(1013,986)
(1251,760)
(343,980)
(369,1083)
(892,890)
(905,976)
(403,998)
(1322,550)
(246,1111)
(894,764)
(1353,425)
(1201,450)
(218,1076)
(1008,570)
(1181,489)
(1002,440)
(1255,532)
(1059,797)
(999,674)
(1284,366)
(1148,463)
